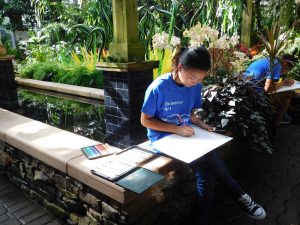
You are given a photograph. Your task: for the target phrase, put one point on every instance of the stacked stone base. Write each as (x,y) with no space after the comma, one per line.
(169,202)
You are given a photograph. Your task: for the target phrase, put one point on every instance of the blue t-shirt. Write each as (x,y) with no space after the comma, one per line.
(166,101)
(259,70)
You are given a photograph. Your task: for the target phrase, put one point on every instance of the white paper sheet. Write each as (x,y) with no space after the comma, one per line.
(295,86)
(188,149)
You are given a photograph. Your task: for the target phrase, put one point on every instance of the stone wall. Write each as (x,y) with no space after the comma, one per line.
(169,202)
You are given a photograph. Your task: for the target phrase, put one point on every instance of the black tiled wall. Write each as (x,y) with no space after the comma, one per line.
(9,98)
(123,98)
(7,75)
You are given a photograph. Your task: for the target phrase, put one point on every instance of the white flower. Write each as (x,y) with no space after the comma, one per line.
(297,40)
(213,35)
(234,40)
(203,34)
(196,35)
(239,64)
(175,41)
(160,41)
(239,55)
(222,42)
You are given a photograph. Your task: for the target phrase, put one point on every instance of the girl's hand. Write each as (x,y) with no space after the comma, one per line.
(185,131)
(206,127)
(288,82)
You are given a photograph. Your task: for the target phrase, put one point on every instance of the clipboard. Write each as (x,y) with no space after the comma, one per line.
(295,86)
(189,149)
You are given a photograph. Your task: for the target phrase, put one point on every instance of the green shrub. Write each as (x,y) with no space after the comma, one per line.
(46,69)
(70,74)
(40,70)
(81,76)
(27,71)
(98,78)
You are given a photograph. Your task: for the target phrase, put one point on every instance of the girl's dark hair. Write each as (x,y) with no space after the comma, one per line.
(192,58)
(290,59)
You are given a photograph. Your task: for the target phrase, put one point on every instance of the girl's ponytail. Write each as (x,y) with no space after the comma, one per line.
(175,59)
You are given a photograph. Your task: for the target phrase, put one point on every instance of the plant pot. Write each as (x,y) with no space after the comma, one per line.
(2,50)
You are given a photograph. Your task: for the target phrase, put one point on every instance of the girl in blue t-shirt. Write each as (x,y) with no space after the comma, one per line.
(259,74)
(168,105)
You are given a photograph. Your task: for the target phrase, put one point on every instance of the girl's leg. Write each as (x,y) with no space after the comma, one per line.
(211,162)
(282,101)
(205,184)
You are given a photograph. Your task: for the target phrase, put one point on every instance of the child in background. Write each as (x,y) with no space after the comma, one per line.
(168,105)
(259,73)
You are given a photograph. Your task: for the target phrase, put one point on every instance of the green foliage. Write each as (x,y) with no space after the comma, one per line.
(15,10)
(55,42)
(71,74)
(284,12)
(224,15)
(98,13)
(55,11)
(37,48)
(40,70)
(294,49)
(46,11)
(40,53)
(234,105)
(274,42)
(16,52)
(55,33)
(93,38)
(1,11)
(80,75)
(275,39)
(173,17)
(71,15)
(49,58)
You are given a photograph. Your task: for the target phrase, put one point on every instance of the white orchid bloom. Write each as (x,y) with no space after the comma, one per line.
(239,55)
(175,41)
(234,40)
(160,41)
(222,42)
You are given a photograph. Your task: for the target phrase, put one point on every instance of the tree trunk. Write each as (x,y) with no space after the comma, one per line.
(247,24)
(297,27)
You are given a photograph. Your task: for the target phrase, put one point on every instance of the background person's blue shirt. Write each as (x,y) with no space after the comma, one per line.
(166,101)
(259,70)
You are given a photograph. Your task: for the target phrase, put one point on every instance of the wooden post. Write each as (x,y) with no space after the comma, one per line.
(247,24)
(125,83)
(126,45)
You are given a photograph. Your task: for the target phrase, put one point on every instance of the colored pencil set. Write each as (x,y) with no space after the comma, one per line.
(97,151)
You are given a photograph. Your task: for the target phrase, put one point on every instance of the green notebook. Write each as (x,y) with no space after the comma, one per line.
(140,180)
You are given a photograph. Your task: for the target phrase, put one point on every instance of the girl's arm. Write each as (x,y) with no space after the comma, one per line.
(200,124)
(271,86)
(155,124)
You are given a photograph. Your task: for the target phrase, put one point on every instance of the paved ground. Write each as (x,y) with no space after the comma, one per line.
(272,180)
(17,209)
